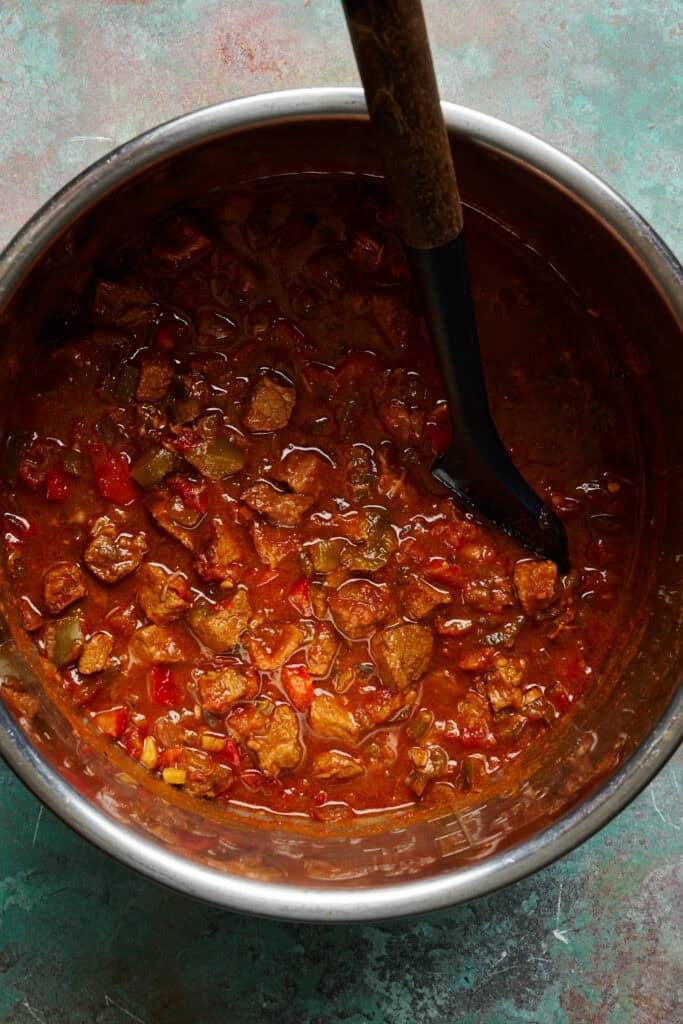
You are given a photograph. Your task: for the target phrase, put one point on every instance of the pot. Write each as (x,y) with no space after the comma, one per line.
(612,744)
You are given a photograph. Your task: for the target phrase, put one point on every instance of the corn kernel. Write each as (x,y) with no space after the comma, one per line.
(198,712)
(174,776)
(150,753)
(613,487)
(214,744)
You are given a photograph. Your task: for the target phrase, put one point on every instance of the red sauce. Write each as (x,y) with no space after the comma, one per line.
(225,539)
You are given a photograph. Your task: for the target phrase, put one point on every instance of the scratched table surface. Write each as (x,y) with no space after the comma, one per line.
(594,939)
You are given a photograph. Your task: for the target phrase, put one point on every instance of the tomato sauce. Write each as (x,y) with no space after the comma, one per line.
(222,531)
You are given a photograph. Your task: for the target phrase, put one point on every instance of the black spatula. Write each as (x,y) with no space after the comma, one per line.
(392,51)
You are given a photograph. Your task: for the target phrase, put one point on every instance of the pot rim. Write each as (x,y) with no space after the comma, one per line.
(288,901)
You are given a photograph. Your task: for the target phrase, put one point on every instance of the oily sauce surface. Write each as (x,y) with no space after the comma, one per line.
(222,531)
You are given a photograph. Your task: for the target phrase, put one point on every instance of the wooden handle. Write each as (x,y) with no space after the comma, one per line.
(395,63)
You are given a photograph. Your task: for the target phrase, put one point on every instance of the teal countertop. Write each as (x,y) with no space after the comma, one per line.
(598,937)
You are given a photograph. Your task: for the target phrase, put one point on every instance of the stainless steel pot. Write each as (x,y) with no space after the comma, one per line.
(613,744)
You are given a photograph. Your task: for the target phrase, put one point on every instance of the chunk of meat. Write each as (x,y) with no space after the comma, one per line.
(162,645)
(489,595)
(430,762)
(379,706)
(62,585)
(360,474)
(535,583)
(222,556)
(128,304)
(163,595)
(20,702)
(504,681)
(419,598)
(175,517)
(401,402)
(270,406)
(332,765)
(111,553)
(366,253)
(180,242)
(358,606)
(329,718)
(303,472)
(402,654)
(204,776)
(279,749)
(280,508)
(95,655)
(322,649)
(273,544)
(222,688)
(156,375)
(219,626)
(271,646)
(388,313)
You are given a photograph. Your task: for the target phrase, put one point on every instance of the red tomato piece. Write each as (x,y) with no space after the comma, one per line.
(475,735)
(112,474)
(132,741)
(112,722)
(193,495)
(165,338)
(438,430)
(356,366)
(300,597)
(231,754)
(298,683)
(445,572)
(56,485)
(162,687)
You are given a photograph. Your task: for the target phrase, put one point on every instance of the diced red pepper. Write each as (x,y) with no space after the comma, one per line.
(194,495)
(300,597)
(56,485)
(475,735)
(443,571)
(112,722)
(162,687)
(132,741)
(251,778)
(231,754)
(165,338)
(298,683)
(112,474)
(438,430)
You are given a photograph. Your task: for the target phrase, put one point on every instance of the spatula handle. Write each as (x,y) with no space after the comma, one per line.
(392,52)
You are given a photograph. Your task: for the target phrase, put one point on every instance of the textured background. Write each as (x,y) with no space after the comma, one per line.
(598,937)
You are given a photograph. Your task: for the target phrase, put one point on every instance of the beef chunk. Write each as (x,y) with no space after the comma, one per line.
(221,689)
(162,645)
(180,242)
(204,776)
(474,721)
(123,304)
(420,598)
(170,512)
(221,558)
(388,313)
(504,681)
(271,646)
(273,543)
(402,654)
(281,509)
(219,626)
(322,649)
(95,654)
(360,476)
(332,765)
(112,554)
(401,401)
(270,406)
(535,583)
(279,748)
(156,375)
(329,717)
(430,762)
(489,595)
(303,472)
(163,595)
(358,606)
(20,702)
(366,253)
(62,585)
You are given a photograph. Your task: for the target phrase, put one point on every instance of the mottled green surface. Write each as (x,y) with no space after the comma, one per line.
(595,939)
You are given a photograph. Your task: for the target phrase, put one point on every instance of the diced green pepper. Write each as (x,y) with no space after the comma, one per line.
(73,462)
(265,706)
(127,382)
(472,770)
(325,554)
(14,449)
(68,641)
(108,430)
(505,636)
(420,723)
(186,409)
(216,458)
(151,468)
